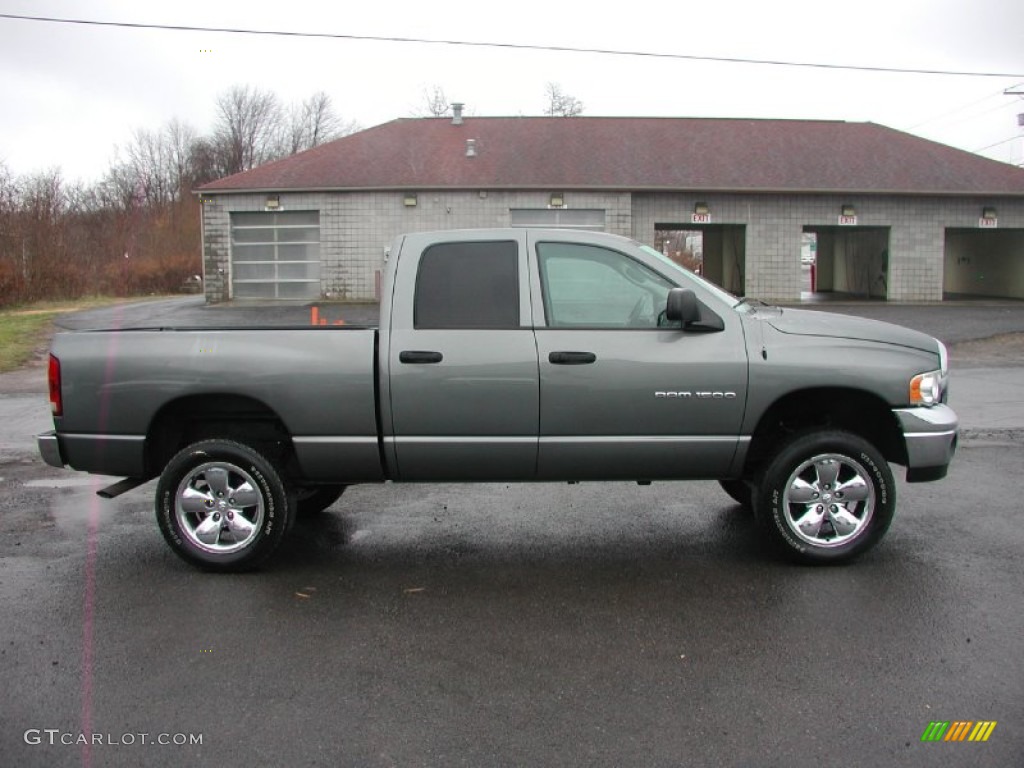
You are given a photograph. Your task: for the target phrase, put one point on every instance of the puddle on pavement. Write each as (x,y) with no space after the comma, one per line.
(69,504)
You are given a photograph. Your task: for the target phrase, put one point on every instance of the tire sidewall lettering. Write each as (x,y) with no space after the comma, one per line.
(269,503)
(883,489)
(780,522)
(167,510)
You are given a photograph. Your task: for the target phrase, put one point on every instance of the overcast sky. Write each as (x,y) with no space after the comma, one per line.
(70,93)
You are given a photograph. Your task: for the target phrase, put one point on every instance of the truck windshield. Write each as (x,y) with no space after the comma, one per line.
(678,269)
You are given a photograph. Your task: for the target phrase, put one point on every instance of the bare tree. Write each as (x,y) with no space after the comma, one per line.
(117,189)
(435,102)
(8,190)
(312,123)
(8,200)
(45,266)
(248,128)
(138,229)
(160,162)
(145,167)
(11,242)
(180,139)
(561,104)
(204,160)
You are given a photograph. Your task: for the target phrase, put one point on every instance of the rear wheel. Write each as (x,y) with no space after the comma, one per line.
(222,505)
(827,496)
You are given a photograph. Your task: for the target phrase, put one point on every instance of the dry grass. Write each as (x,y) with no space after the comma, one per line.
(25,330)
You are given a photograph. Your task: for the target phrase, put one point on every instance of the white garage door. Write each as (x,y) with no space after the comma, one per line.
(275,255)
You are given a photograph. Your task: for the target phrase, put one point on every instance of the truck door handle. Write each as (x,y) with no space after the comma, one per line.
(572,358)
(419,357)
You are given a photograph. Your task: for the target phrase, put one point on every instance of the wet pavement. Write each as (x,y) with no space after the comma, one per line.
(599,624)
(549,625)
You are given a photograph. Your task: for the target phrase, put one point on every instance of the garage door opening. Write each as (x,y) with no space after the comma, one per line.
(275,255)
(715,251)
(983,263)
(848,262)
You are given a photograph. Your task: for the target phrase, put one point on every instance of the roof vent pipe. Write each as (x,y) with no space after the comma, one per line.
(457,113)
(470,147)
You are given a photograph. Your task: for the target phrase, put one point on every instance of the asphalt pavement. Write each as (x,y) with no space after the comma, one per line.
(599,625)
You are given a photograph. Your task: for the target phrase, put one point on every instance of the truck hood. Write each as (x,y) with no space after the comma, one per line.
(802,322)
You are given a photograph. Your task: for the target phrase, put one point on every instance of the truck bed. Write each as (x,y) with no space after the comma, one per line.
(319,381)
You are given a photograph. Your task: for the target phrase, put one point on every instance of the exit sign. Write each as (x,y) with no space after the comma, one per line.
(847,221)
(988,223)
(700,218)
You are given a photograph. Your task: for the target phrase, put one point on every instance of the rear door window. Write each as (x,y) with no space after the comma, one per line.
(468,285)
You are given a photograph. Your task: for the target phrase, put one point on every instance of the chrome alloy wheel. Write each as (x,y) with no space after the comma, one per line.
(829,500)
(218,507)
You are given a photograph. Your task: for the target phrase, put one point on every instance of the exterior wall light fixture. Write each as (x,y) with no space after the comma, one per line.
(557,200)
(701,209)
(410,200)
(273,202)
(848,210)
(988,213)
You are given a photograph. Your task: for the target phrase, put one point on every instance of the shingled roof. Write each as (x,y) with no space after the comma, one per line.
(628,153)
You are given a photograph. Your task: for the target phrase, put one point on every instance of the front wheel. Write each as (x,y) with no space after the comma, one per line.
(826,497)
(222,506)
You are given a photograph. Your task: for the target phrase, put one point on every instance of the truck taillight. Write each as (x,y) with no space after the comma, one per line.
(53,378)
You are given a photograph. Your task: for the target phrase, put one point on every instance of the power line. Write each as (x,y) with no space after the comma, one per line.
(955,111)
(515,46)
(976,115)
(998,144)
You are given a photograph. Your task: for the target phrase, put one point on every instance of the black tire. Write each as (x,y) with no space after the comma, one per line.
(222,506)
(740,492)
(313,499)
(826,497)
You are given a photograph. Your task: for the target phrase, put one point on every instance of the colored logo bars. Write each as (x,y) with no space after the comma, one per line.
(959,730)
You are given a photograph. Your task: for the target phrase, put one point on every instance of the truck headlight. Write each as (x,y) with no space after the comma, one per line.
(926,388)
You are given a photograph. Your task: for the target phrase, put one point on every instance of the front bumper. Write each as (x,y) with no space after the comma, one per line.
(49,449)
(930,435)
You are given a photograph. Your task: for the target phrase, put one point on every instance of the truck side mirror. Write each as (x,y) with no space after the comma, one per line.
(681,306)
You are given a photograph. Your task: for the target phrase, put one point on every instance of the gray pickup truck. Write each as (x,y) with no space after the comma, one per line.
(511,355)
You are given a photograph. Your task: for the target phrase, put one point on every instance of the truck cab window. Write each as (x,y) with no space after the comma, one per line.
(587,286)
(468,285)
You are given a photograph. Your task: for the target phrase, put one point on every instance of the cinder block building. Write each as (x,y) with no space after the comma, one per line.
(890,215)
